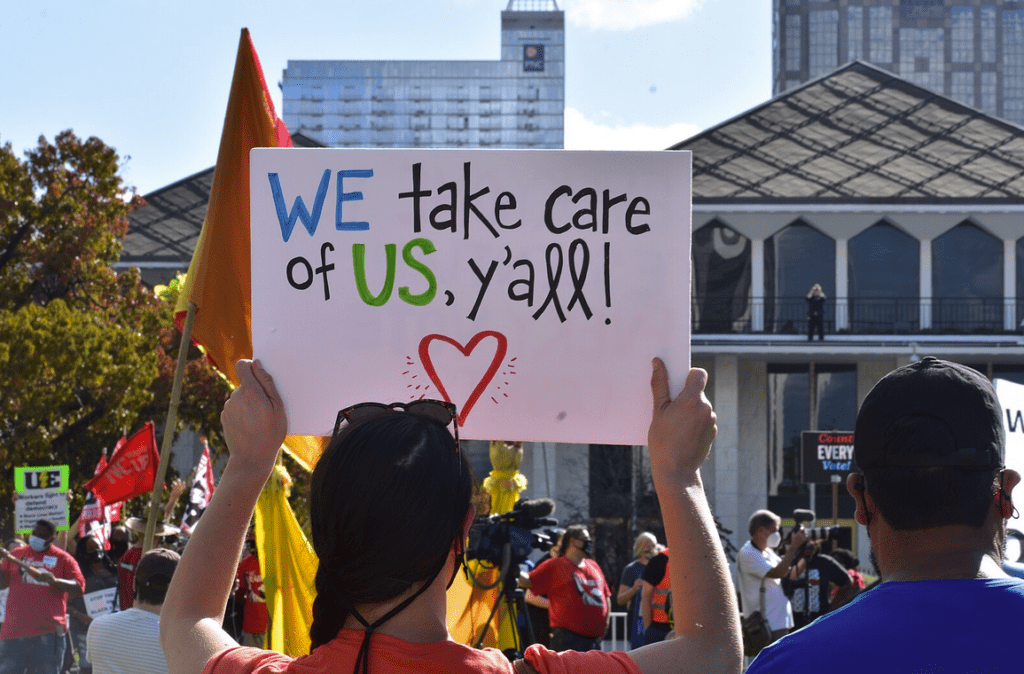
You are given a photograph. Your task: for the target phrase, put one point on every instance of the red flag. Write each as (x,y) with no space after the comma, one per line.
(131,471)
(201,492)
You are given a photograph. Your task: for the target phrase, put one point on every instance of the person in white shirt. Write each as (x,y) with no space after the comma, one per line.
(757,563)
(128,642)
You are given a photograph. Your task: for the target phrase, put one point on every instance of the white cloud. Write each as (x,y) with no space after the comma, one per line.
(584,134)
(624,15)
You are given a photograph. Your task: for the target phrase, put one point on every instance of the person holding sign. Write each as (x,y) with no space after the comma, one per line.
(41,577)
(385,561)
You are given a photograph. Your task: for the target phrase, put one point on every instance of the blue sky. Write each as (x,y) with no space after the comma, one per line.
(151,78)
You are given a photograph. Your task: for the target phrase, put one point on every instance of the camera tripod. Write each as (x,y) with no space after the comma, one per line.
(513,598)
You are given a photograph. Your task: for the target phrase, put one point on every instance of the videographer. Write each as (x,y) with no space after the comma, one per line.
(384,561)
(758,564)
(811,582)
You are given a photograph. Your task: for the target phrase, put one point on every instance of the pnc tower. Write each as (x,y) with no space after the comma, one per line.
(969,50)
(517,101)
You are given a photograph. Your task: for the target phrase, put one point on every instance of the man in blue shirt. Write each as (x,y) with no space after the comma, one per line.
(934,496)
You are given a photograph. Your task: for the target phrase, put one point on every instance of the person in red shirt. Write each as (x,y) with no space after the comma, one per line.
(41,577)
(250,591)
(577,593)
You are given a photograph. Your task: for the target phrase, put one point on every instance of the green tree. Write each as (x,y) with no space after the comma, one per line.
(86,354)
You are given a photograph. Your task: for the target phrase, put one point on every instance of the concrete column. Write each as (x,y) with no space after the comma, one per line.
(757,285)
(726,397)
(541,471)
(1010,285)
(925,283)
(842,286)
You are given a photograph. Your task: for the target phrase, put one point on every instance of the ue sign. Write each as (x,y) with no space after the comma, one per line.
(826,454)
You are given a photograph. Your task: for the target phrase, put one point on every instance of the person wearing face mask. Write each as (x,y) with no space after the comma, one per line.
(41,578)
(757,565)
(119,539)
(250,592)
(631,583)
(99,599)
(577,593)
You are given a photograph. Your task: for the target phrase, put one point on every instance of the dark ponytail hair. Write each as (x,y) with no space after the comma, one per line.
(388,498)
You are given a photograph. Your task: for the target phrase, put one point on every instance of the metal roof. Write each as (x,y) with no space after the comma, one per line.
(859,135)
(167,228)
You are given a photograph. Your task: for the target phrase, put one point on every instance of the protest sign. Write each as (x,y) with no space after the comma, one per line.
(100,602)
(1011,399)
(530,288)
(826,456)
(42,495)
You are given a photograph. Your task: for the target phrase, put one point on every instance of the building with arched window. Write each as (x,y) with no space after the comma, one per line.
(906,206)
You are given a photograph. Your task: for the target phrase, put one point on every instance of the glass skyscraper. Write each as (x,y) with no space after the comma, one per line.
(970,50)
(516,102)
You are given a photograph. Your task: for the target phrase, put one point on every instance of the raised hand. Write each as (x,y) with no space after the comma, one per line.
(683,429)
(253,418)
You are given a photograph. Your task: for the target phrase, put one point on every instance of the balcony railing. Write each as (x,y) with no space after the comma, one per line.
(858,316)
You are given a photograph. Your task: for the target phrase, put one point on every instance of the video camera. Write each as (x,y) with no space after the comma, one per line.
(823,538)
(489,535)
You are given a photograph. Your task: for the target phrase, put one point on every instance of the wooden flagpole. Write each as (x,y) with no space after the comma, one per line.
(169,426)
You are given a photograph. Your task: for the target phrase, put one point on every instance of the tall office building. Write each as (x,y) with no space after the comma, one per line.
(970,50)
(515,102)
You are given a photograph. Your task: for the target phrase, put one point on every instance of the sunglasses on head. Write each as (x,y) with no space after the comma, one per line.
(440,411)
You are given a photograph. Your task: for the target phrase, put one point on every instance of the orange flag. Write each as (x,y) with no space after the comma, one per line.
(219,275)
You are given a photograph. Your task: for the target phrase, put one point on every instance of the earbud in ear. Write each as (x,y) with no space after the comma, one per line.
(858,485)
(1004,503)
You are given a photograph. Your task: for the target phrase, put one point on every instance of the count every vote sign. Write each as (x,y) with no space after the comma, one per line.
(530,288)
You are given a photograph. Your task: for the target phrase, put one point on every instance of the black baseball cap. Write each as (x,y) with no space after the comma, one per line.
(930,413)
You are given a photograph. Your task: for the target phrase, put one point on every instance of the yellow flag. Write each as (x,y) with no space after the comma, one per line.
(289,566)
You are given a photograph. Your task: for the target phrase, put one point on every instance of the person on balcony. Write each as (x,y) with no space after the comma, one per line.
(815,313)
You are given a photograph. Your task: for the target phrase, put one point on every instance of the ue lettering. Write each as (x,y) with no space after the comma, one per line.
(836,465)
(311,219)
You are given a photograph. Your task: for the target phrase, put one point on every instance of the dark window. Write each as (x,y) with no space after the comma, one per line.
(790,412)
(721,279)
(794,260)
(883,273)
(1014,373)
(967,280)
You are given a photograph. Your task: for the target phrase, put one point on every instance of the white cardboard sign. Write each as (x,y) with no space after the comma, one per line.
(1011,400)
(530,288)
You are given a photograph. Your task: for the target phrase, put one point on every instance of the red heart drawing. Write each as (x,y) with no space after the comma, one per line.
(499,355)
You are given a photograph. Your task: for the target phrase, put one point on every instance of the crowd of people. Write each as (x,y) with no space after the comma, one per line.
(70,603)
(930,487)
